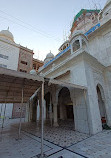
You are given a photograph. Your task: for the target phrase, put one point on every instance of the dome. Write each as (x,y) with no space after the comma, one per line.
(33,72)
(50,55)
(7,35)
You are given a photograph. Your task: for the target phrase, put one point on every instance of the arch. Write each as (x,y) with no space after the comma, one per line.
(65,105)
(102,91)
(49,105)
(101,104)
(34,109)
(76,45)
(64,47)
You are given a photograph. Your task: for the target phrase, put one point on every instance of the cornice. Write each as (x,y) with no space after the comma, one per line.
(10,43)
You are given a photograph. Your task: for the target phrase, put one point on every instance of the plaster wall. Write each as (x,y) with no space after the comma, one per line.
(78,74)
(107,10)
(92,102)
(100,46)
(80,114)
(13,55)
(108,96)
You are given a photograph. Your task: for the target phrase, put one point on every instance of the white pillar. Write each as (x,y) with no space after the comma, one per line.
(107,99)
(55,91)
(44,109)
(80,41)
(61,109)
(94,118)
(55,115)
(38,111)
(27,113)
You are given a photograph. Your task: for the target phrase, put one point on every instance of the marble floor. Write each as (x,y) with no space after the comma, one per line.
(28,146)
(64,135)
(56,146)
(97,146)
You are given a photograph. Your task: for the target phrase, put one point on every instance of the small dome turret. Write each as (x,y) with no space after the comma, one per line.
(49,57)
(33,72)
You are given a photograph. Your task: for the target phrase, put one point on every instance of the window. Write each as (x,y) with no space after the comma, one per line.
(23,71)
(2,65)
(34,66)
(3,56)
(24,62)
(38,67)
(83,44)
(76,45)
(64,47)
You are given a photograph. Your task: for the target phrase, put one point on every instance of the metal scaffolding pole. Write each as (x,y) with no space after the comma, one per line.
(1,110)
(50,109)
(20,124)
(42,155)
(4,116)
(3,119)
(42,125)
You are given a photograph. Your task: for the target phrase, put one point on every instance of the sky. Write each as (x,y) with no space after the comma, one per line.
(42,25)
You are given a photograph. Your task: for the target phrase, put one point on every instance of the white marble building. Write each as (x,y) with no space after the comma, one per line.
(85,61)
(9,56)
(9,50)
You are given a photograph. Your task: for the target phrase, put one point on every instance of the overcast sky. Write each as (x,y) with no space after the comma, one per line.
(40,24)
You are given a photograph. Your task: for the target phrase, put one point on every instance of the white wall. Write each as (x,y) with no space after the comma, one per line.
(9,108)
(100,46)
(81,114)
(78,75)
(13,55)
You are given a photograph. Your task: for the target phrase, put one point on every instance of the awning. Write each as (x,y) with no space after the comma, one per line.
(12,82)
(66,84)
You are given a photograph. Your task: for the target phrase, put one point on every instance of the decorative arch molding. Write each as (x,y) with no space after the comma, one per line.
(78,41)
(102,90)
(68,89)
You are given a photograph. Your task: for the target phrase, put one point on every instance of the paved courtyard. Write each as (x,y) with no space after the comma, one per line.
(97,146)
(63,136)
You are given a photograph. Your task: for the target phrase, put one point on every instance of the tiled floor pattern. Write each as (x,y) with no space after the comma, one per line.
(26,147)
(64,135)
(98,146)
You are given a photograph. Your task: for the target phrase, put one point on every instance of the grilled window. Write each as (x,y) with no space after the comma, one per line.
(2,65)
(4,56)
(24,62)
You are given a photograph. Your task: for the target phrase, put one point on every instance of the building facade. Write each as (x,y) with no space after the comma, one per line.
(9,50)
(85,60)
(37,64)
(15,57)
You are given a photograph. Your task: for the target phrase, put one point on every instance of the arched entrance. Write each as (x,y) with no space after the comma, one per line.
(65,105)
(101,104)
(48,107)
(34,109)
